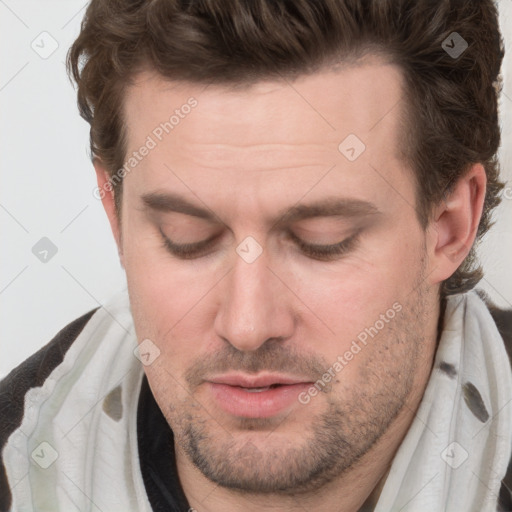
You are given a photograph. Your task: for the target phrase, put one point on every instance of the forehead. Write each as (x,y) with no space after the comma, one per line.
(249,137)
(352,99)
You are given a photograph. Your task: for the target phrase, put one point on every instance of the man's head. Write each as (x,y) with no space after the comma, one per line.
(260,133)
(449,104)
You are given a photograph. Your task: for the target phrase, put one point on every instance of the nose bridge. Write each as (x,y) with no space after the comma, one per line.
(252,307)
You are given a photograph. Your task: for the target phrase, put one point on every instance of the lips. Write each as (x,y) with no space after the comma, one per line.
(261,396)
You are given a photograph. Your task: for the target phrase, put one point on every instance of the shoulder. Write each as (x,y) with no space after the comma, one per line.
(29,374)
(503,321)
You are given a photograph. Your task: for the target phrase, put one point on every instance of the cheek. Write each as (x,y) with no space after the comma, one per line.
(350,296)
(167,301)
(154,288)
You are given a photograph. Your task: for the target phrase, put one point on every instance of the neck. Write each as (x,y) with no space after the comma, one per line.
(372,500)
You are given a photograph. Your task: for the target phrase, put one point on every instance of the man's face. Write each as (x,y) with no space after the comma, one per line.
(254,307)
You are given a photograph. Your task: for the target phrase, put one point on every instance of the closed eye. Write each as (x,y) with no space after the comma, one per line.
(325,252)
(187,251)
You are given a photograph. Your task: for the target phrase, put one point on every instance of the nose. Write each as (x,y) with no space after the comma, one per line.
(254,307)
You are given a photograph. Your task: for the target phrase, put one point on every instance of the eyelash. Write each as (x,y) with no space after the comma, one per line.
(185,251)
(319,252)
(325,252)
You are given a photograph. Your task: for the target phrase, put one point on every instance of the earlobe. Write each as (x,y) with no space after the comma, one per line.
(453,229)
(105,192)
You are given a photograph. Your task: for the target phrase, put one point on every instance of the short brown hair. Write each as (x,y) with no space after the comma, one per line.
(451,101)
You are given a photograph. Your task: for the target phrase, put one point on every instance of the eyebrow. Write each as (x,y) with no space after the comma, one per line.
(327,207)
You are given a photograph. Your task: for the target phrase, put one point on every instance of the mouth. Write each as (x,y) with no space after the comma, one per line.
(256,397)
(259,390)
(257,382)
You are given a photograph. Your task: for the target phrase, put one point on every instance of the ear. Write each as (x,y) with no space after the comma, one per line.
(105,192)
(452,231)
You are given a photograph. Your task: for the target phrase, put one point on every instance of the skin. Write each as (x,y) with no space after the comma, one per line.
(247,155)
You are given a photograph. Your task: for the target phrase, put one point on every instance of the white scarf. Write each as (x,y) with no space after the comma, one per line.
(69,454)
(457,449)
(91,457)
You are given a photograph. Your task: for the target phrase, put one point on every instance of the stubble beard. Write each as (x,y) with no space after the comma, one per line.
(257,457)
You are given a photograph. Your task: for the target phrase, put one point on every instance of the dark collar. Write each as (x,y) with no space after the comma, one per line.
(157,456)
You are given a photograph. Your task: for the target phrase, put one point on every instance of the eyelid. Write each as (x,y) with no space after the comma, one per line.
(186,251)
(325,251)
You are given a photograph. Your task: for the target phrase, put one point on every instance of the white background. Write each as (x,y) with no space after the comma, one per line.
(47,182)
